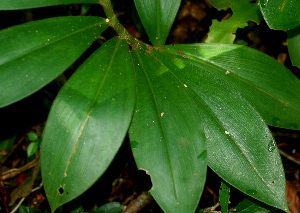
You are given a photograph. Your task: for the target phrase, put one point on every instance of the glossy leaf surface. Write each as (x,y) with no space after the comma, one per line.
(33,54)
(87,123)
(167,135)
(157,17)
(281,14)
(238,140)
(270,87)
(294,45)
(24,4)
(224,32)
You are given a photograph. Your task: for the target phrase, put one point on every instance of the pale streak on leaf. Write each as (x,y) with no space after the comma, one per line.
(92,107)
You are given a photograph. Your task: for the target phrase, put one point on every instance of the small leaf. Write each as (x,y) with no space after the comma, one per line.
(6,145)
(32,148)
(24,4)
(157,17)
(78,210)
(224,196)
(167,135)
(224,32)
(32,136)
(25,209)
(294,45)
(281,14)
(87,123)
(35,53)
(249,205)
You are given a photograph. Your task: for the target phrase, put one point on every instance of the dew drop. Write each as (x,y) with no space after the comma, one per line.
(107,20)
(227,72)
(271,146)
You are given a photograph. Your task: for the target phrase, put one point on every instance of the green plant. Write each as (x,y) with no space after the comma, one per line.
(185,106)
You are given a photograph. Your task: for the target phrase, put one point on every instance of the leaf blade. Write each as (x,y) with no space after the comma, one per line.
(157,17)
(33,54)
(270,87)
(294,45)
(25,4)
(87,123)
(281,14)
(167,135)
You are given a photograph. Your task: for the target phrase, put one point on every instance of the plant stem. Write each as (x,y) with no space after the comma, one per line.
(114,22)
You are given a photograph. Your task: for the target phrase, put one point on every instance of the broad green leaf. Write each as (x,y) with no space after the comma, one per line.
(238,140)
(270,87)
(224,196)
(24,4)
(281,14)
(224,32)
(167,135)
(87,123)
(294,45)
(253,206)
(33,54)
(221,4)
(157,17)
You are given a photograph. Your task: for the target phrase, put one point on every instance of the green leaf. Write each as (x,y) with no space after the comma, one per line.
(87,123)
(78,210)
(167,134)
(157,17)
(33,54)
(294,45)
(249,205)
(32,148)
(224,32)
(237,137)
(25,209)
(281,14)
(24,4)
(32,136)
(7,144)
(270,87)
(221,4)
(224,196)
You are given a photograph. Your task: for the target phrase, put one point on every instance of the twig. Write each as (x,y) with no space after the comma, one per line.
(18,205)
(291,158)
(14,172)
(13,149)
(140,202)
(23,198)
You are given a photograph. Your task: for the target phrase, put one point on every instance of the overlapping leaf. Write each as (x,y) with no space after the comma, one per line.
(238,140)
(281,14)
(167,135)
(270,87)
(157,17)
(294,45)
(33,54)
(24,4)
(87,123)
